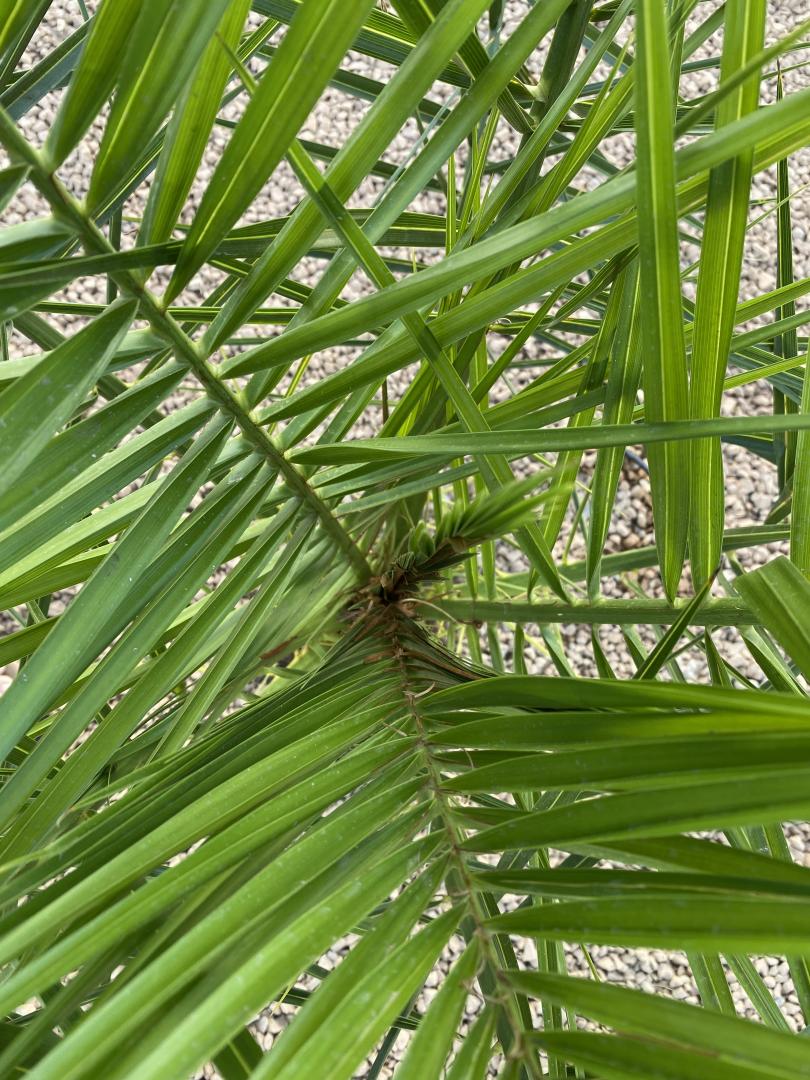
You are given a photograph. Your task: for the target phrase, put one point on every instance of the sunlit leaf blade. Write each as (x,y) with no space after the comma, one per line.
(187,560)
(472,53)
(771,129)
(73,451)
(390,988)
(663,649)
(300,942)
(18,19)
(472,1060)
(496,472)
(664,369)
(568,464)
(638,765)
(718,289)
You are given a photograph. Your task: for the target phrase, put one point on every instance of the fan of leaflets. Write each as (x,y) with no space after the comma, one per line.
(270,688)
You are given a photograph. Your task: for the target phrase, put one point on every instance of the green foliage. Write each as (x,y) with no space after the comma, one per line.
(270,623)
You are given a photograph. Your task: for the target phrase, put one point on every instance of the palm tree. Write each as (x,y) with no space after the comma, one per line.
(272,688)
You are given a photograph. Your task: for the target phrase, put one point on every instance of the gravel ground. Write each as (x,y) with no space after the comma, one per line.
(750,487)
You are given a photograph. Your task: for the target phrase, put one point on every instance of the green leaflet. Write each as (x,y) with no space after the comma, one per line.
(720,921)
(318,37)
(187,561)
(574,884)
(162,49)
(637,764)
(10,180)
(780,595)
(737,1040)
(94,78)
(472,1060)
(543,692)
(800,507)
(519,241)
(664,374)
(70,453)
(772,796)
(86,627)
(434,1038)
(718,288)
(356,1026)
(340,1002)
(518,443)
(624,375)
(190,128)
(18,18)
(622,1058)
(396,101)
(301,940)
(37,405)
